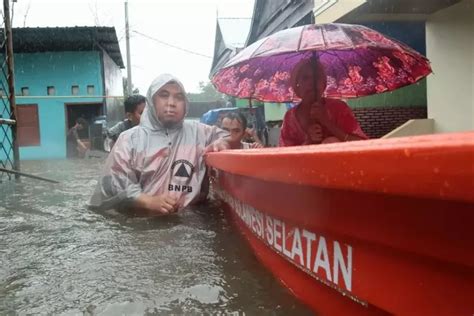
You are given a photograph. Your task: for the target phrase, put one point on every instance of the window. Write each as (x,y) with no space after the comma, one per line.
(25,91)
(74,90)
(90,89)
(28,125)
(51,90)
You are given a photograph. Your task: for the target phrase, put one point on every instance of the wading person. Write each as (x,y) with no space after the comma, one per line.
(158,167)
(74,144)
(316,120)
(134,106)
(236,124)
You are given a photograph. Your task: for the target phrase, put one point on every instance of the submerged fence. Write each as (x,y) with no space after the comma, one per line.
(9,154)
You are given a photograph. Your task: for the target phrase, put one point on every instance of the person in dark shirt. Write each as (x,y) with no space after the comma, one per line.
(74,144)
(134,106)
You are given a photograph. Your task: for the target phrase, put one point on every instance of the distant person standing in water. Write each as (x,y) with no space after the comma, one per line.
(74,144)
(134,106)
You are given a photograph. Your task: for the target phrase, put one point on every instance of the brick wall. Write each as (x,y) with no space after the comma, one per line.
(376,122)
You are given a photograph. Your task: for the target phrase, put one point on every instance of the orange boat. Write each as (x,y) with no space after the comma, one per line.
(361,228)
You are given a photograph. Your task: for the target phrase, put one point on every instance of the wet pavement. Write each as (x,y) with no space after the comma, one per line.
(58,257)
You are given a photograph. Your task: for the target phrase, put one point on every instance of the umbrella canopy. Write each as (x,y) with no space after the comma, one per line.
(357,61)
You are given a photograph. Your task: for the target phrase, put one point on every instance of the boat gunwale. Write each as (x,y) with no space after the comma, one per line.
(434,166)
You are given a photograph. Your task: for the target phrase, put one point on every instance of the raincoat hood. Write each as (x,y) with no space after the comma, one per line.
(149,118)
(156,160)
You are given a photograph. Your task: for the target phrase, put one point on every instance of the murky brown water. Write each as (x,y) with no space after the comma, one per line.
(58,257)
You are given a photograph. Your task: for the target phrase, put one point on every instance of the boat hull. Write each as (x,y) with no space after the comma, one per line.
(371,251)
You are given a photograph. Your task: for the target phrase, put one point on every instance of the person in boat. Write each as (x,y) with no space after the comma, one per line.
(316,119)
(75,147)
(134,106)
(236,124)
(158,166)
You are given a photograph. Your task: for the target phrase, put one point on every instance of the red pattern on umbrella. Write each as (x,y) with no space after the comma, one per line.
(358,61)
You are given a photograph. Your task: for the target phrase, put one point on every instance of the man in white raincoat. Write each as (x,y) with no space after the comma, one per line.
(158,166)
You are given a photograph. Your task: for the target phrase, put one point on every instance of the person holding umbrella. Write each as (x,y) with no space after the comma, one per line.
(346,61)
(316,120)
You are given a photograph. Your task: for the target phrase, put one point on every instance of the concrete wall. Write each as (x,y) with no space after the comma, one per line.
(37,71)
(449,46)
(113,84)
(413,127)
(275,111)
(329,11)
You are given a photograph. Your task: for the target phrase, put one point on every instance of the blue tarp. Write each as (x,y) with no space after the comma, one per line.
(211,116)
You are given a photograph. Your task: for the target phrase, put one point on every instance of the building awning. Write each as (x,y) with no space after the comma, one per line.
(78,38)
(405,6)
(353,11)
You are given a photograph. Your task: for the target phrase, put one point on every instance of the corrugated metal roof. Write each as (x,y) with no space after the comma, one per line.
(276,15)
(231,34)
(78,38)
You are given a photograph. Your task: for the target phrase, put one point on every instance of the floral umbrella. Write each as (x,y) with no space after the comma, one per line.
(357,60)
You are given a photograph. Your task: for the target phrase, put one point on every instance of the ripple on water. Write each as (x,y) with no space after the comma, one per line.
(57,257)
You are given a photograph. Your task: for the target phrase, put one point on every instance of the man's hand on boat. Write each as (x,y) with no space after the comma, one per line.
(218,145)
(162,204)
(255,145)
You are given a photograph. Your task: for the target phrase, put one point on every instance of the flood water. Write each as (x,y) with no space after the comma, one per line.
(58,257)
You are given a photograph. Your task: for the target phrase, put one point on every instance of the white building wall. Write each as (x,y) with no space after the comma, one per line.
(450,48)
(328,11)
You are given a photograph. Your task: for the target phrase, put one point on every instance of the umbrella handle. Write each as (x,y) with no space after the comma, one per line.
(314,62)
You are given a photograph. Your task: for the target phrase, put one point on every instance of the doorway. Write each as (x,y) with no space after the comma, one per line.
(87,111)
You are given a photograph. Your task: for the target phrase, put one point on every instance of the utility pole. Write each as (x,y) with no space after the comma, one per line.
(11,83)
(129,63)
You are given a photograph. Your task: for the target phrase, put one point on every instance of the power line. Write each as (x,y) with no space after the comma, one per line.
(171,45)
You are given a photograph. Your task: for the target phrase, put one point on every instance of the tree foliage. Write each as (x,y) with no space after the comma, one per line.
(207,93)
